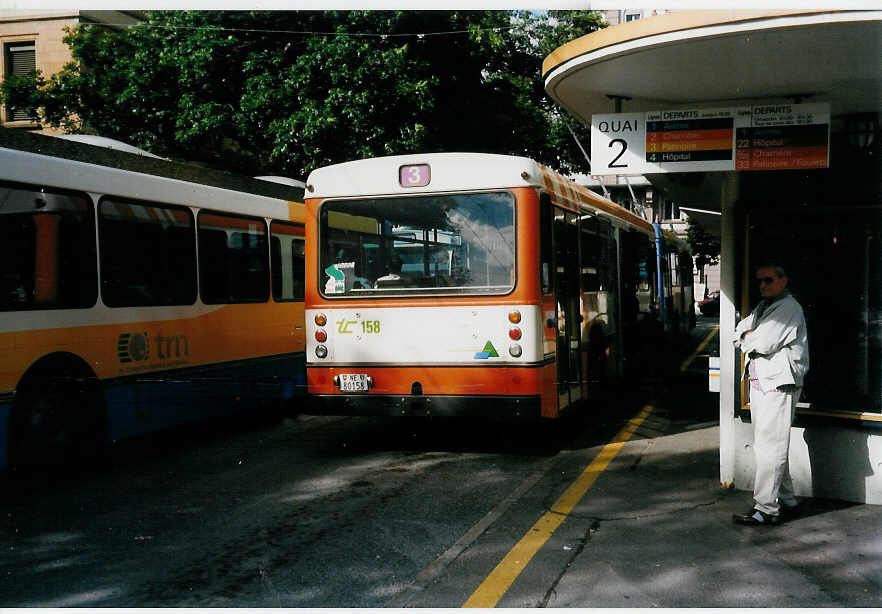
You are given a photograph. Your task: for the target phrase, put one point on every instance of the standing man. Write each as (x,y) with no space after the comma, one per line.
(774,340)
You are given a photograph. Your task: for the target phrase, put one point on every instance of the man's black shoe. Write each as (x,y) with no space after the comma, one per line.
(756,518)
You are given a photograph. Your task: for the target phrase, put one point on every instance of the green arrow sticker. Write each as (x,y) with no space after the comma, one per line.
(334,272)
(337,283)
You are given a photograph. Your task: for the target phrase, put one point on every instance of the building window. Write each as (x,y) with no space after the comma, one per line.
(632,17)
(833,258)
(21,61)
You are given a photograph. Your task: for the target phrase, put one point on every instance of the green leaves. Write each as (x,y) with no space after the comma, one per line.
(283,92)
(705,246)
(22,91)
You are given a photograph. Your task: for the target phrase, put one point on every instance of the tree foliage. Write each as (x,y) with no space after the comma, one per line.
(286,92)
(22,91)
(705,246)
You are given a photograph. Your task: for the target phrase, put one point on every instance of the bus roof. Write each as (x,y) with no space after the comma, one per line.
(88,153)
(449,172)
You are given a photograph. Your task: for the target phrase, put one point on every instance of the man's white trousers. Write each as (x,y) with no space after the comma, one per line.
(772,415)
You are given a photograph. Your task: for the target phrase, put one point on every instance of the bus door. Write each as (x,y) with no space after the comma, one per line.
(600,312)
(568,299)
(641,329)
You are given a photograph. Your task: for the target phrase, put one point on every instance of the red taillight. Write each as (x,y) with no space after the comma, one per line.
(514,332)
(321,336)
(320,319)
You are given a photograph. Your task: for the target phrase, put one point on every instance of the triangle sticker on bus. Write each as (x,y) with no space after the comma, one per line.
(488,352)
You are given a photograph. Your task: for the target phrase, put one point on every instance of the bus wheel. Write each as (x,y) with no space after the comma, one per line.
(57,420)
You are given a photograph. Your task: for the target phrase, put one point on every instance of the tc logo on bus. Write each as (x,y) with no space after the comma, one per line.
(133,347)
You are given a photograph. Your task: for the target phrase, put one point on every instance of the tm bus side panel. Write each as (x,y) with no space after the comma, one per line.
(155,369)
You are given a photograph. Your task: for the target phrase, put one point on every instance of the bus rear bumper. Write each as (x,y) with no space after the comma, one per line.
(426,405)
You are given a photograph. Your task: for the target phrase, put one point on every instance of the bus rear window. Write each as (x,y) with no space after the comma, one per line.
(450,244)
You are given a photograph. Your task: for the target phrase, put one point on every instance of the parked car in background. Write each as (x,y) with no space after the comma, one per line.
(710,306)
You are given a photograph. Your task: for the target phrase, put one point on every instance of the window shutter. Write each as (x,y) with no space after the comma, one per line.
(22,61)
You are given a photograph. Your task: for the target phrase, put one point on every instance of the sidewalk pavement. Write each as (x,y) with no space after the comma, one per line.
(656,530)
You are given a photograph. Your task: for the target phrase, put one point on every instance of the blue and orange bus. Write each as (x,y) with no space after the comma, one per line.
(137,294)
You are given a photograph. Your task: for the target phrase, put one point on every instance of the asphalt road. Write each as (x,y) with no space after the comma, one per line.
(304,511)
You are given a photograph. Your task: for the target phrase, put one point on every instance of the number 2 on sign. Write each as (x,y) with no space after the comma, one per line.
(624,145)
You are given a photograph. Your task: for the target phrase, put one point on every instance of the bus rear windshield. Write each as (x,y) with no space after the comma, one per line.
(441,244)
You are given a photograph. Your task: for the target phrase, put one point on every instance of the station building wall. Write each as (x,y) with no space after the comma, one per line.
(45,33)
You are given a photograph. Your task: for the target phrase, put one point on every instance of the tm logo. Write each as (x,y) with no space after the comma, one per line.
(133,347)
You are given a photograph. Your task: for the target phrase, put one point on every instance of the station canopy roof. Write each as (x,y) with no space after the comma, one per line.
(721,58)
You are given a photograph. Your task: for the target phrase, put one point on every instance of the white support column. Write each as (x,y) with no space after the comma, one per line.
(729,253)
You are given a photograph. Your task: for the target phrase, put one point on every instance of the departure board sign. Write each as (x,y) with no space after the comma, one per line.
(763,137)
(787,136)
(702,140)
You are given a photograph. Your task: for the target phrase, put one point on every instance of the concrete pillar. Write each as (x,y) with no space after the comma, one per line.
(729,254)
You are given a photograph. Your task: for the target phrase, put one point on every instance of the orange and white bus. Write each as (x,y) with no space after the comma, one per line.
(137,294)
(477,284)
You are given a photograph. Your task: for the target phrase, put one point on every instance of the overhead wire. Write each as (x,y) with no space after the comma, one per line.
(419,35)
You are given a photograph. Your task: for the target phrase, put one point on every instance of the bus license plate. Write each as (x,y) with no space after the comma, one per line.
(353,382)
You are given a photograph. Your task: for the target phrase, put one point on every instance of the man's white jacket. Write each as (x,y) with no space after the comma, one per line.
(777,344)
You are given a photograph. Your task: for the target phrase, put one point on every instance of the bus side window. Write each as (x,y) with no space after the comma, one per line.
(287,265)
(233,259)
(17,248)
(148,254)
(546,251)
(47,249)
(249,274)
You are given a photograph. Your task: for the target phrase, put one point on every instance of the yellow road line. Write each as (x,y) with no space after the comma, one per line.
(494,586)
(700,347)
(491,590)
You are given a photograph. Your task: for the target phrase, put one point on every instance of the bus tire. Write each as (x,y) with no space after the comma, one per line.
(58,418)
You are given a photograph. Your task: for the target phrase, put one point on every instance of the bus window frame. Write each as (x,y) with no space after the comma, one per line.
(301,236)
(96,265)
(111,198)
(418,293)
